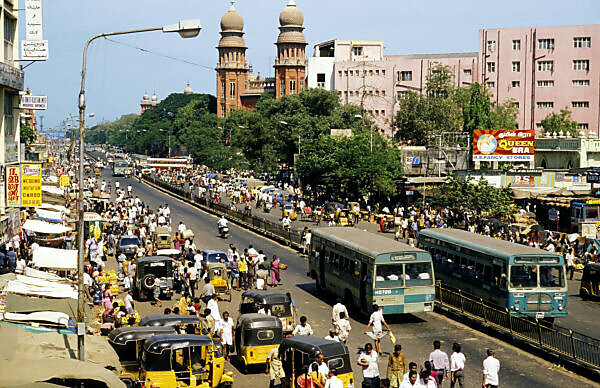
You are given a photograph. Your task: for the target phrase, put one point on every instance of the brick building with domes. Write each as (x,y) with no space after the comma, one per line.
(237,87)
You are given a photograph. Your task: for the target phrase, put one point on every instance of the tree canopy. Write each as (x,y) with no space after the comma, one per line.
(557,122)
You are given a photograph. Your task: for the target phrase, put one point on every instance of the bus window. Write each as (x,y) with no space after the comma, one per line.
(388,275)
(551,276)
(591,213)
(522,276)
(418,274)
(487,274)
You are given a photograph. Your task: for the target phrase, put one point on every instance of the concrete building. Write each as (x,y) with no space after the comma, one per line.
(544,70)
(563,152)
(559,70)
(237,87)
(11,82)
(148,103)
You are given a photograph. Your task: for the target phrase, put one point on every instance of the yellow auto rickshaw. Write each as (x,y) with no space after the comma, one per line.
(289,210)
(217,274)
(184,324)
(590,281)
(87,169)
(97,171)
(162,238)
(277,304)
(255,336)
(183,360)
(300,351)
(343,217)
(128,343)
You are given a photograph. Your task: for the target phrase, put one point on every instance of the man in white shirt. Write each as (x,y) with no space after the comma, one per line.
(368,361)
(226,333)
(439,362)
(181,227)
(457,366)
(332,336)
(214,309)
(491,368)
(338,308)
(319,371)
(128,302)
(342,328)
(303,328)
(20,268)
(333,381)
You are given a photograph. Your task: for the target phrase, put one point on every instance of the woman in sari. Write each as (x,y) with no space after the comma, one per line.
(275,271)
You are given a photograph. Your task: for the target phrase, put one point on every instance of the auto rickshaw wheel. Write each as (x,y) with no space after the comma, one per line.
(149,281)
(583,295)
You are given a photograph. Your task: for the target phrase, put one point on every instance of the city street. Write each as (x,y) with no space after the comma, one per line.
(415,333)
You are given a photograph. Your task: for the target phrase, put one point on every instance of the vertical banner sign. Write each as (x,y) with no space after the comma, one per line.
(13,186)
(34,47)
(31,184)
(64,181)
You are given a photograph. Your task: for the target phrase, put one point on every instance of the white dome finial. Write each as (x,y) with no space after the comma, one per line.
(292,3)
(232,8)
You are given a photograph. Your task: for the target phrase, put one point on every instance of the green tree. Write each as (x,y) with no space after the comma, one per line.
(476,114)
(504,116)
(28,135)
(557,122)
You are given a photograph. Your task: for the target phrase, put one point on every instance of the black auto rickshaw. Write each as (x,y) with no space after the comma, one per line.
(128,342)
(185,324)
(152,271)
(590,281)
(255,336)
(183,360)
(301,351)
(280,306)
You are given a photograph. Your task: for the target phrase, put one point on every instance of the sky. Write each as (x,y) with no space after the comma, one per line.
(119,74)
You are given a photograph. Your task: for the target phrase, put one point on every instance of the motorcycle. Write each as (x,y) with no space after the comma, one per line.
(224,231)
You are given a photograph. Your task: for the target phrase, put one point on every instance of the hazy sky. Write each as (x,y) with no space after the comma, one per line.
(119,75)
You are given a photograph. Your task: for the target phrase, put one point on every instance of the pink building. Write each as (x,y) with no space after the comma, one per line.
(544,70)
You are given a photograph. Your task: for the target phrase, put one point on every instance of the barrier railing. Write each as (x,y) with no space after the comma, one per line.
(556,340)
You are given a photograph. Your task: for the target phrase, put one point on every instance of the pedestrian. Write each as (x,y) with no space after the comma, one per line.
(319,371)
(210,323)
(193,275)
(303,328)
(243,270)
(376,320)
(226,333)
(491,369)
(214,308)
(12,259)
(439,362)
(569,258)
(333,381)
(368,360)
(332,336)
(128,302)
(457,366)
(274,369)
(342,328)
(338,308)
(304,380)
(275,271)
(397,366)
(208,290)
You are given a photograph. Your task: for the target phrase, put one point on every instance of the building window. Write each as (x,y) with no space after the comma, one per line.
(581,82)
(357,51)
(516,66)
(545,44)
(405,76)
(491,67)
(232,90)
(223,89)
(491,45)
(516,44)
(545,84)
(545,104)
(545,66)
(10,25)
(581,64)
(583,126)
(467,72)
(516,84)
(351,72)
(223,111)
(580,104)
(491,84)
(346,73)
(382,72)
(339,73)
(582,42)
(383,92)
(293,86)
(515,104)
(383,112)
(371,73)
(539,126)
(301,85)
(320,80)
(377,72)
(282,86)
(402,94)
(8,115)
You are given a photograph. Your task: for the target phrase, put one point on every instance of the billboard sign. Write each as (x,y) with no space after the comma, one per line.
(31,184)
(13,186)
(503,145)
(29,101)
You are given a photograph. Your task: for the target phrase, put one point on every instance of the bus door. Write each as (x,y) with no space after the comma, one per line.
(363,285)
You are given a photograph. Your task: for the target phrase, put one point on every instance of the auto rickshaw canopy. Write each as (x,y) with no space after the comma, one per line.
(160,343)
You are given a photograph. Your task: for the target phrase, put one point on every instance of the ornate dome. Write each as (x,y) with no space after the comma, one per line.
(154,98)
(188,89)
(232,21)
(146,97)
(291,16)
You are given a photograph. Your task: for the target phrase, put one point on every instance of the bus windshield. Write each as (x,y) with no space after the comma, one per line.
(419,274)
(394,275)
(552,276)
(523,276)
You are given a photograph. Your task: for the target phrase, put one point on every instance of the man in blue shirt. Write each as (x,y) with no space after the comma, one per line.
(2,262)
(12,259)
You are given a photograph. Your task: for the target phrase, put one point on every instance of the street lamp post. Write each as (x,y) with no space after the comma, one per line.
(186,29)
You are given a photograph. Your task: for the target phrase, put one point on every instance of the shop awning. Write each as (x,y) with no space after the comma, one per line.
(64,259)
(25,285)
(39,226)
(53,190)
(48,215)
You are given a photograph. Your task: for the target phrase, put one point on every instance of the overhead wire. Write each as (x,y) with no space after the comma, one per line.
(160,54)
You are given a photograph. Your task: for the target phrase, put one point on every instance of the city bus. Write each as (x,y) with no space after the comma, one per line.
(169,163)
(527,281)
(120,167)
(585,218)
(364,268)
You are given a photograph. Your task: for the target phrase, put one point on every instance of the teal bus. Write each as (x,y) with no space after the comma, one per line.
(364,268)
(527,281)
(120,167)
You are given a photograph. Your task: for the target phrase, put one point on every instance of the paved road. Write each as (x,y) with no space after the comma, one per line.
(415,333)
(584,316)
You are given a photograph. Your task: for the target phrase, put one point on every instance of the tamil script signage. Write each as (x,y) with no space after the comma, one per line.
(33,102)
(34,47)
(31,184)
(503,145)
(13,186)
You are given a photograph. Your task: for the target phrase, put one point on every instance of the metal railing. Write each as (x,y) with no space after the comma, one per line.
(553,339)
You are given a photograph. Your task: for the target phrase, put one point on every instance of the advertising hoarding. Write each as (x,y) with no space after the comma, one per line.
(503,145)
(31,184)
(13,186)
